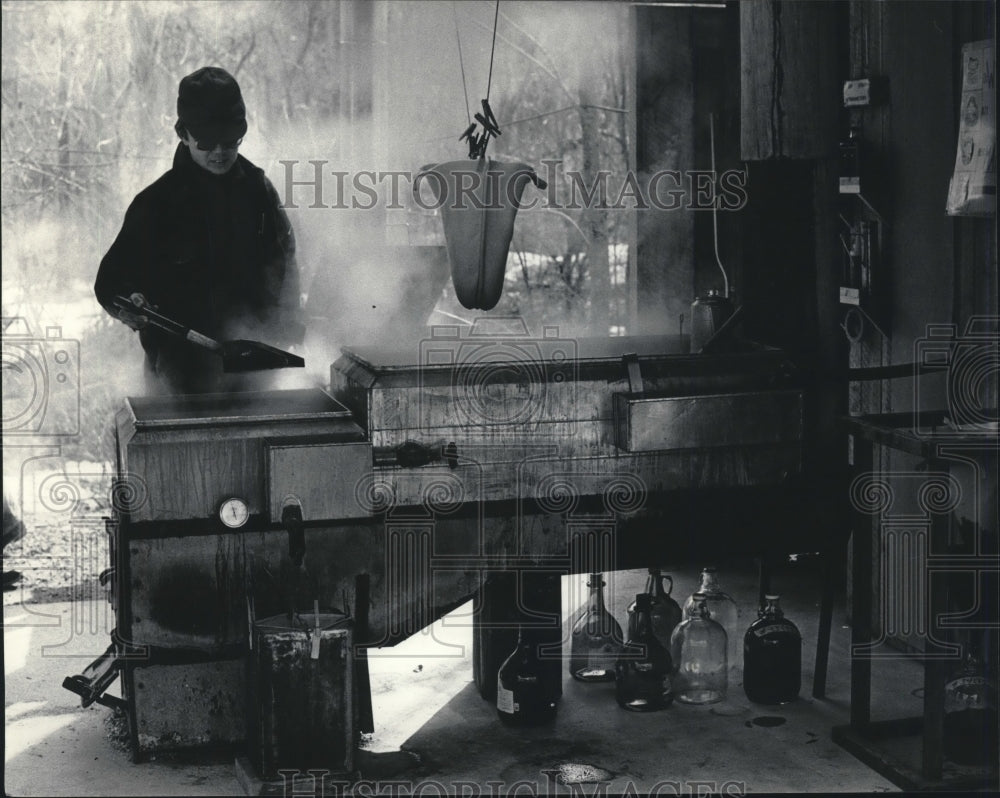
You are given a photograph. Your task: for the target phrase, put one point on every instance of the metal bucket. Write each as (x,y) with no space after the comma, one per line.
(303,694)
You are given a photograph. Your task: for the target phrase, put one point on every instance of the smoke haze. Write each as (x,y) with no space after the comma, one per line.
(89,105)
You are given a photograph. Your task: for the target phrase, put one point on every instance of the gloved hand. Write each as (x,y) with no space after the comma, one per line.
(135,320)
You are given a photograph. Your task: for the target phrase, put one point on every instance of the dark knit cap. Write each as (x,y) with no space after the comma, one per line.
(210,106)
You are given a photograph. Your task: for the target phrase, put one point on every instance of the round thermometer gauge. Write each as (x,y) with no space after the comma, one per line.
(234,513)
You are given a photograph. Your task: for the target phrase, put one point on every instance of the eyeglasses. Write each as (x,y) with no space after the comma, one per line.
(205,146)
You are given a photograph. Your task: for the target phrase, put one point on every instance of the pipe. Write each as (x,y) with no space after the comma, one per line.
(291,520)
(715,208)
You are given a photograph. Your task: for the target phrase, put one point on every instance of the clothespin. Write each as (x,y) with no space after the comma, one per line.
(488,113)
(631,361)
(314,653)
(489,126)
(474,141)
(491,129)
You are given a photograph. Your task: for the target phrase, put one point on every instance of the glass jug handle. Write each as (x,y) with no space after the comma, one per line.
(669,579)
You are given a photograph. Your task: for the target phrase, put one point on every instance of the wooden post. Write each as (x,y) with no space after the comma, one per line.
(861,599)
(788,79)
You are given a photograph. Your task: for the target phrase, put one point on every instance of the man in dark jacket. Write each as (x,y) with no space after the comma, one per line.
(207,245)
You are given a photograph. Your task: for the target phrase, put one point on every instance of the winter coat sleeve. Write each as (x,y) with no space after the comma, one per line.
(122,269)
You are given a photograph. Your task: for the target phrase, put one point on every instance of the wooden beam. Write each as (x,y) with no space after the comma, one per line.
(788,79)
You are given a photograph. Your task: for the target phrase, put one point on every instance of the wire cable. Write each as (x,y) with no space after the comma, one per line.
(461,63)
(493,49)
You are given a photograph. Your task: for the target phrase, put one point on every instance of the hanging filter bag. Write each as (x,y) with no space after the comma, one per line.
(478,201)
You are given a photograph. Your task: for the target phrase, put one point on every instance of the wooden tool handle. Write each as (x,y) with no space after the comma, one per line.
(168,325)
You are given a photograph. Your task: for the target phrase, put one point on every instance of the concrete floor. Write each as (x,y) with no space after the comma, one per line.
(424,701)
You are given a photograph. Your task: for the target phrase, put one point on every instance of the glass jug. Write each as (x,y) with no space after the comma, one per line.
(642,673)
(596,638)
(970,715)
(698,647)
(723,610)
(772,657)
(526,693)
(664,611)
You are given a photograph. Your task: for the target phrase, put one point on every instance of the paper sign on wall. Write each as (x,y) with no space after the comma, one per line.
(973,187)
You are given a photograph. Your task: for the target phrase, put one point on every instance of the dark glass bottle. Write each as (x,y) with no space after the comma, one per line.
(526,693)
(596,639)
(772,657)
(643,670)
(698,647)
(496,634)
(664,611)
(970,715)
